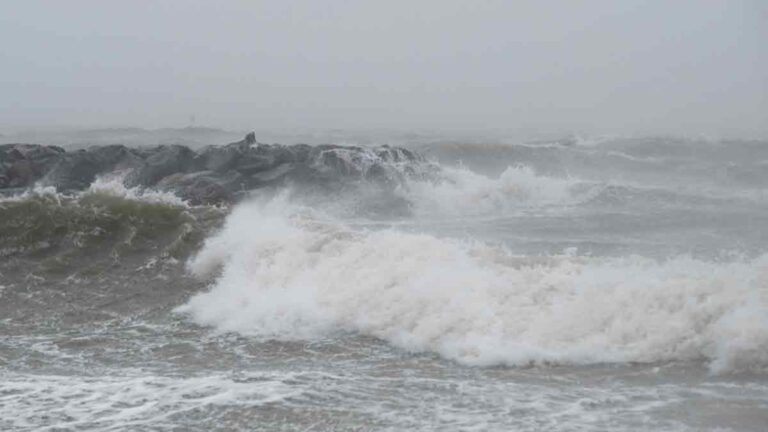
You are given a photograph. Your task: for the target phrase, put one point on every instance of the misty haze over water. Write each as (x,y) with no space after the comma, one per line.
(433,215)
(595,67)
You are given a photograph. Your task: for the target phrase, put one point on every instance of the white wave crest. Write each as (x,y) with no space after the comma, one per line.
(36,190)
(114,186)
(279,274)
(463,192)
(111,185)
(133,402)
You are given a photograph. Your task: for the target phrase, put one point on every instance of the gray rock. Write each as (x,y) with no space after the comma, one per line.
(219,158)
(214,175)
(77,170)
(162,162)
(21,165)
(204,187)
(74,171)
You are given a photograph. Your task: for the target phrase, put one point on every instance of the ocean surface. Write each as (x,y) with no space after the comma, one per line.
(578,285)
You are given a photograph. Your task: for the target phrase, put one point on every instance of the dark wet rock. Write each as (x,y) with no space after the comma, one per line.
(15,152)
(272,175)
(249,164)
(75,171)
(204,187)
(216,174)
(342,161)
(219,158)
(117,157)
(378,173)
(395,154)
(162,162)
(78,169)
(21,165)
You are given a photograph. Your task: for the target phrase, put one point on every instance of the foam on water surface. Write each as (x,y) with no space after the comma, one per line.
(461,192)
(621,286)
(291,276)
(127,402)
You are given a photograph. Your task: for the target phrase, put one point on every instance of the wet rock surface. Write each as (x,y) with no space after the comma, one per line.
(215,174)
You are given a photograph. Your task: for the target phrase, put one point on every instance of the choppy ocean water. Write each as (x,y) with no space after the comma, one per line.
(605,285)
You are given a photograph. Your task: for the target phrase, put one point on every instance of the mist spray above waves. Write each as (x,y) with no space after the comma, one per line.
(280,269)
(280,272)
(461,192)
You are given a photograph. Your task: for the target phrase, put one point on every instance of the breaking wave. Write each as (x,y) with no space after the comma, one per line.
(278,269)
(281,271)
(461,192)
(106,221)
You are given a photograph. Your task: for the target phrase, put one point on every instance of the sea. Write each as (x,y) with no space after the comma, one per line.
(584,284)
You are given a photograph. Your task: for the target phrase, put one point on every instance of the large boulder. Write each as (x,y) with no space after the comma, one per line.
(203,187)
(219,158)
(77,170)
(161,162)
(21,165)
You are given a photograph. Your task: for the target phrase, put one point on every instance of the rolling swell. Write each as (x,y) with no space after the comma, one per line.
(43,224)
(96,258)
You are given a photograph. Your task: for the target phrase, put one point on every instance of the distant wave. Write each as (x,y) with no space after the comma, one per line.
(462,192)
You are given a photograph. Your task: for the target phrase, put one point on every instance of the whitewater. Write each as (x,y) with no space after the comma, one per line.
(618,284)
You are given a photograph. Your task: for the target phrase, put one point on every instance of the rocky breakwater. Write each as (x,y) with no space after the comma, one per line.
(214,174)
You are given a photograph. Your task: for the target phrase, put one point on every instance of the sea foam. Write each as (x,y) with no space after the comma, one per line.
(279,272)
(462,192)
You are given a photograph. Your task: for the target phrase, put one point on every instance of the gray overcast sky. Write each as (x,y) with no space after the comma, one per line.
(594,66)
